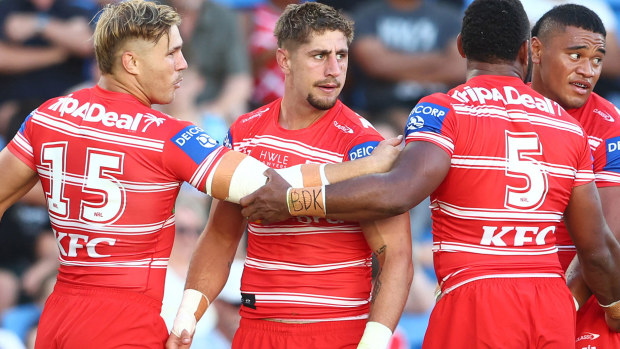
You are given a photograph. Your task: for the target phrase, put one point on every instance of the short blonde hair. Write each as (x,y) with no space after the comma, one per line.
(131,19)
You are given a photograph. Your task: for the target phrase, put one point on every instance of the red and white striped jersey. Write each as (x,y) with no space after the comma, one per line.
(111,169)
(515,157)
(305,268)
(601,120)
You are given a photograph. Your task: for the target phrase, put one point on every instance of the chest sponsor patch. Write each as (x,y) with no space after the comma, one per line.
(426,117)
(362,150)
(613,154)
(195,142)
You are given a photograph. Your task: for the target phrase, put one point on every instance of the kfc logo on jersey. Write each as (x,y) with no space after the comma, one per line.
(515,236)
(195,142)
(80,241)
(604,115)
(362,150)
(97,113)
(343,128)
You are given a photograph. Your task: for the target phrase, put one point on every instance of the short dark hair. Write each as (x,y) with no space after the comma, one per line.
(299,21)
(569,15)
(494,30)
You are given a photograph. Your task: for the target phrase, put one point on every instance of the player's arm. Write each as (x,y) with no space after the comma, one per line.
(417,171)
(208,270)
(237,174)
(390,241)
(597,248)
(16,178)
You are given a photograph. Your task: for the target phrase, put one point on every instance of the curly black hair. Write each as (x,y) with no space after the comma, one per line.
(494,30)
(572,15)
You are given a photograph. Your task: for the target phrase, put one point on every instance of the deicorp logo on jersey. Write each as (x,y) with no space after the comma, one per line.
(97,113)
(195,142)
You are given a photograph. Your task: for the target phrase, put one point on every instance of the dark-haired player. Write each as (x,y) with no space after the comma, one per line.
(503,165)
(307,280)
(568,48)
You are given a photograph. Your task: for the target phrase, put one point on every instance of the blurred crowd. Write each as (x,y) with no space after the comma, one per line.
(403,50)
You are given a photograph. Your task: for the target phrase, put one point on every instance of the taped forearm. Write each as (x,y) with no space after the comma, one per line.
(376,336)
(193,306)
(237,175)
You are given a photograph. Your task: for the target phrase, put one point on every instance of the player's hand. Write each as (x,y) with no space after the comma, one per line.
(268,203)
(385,153)
(175,341)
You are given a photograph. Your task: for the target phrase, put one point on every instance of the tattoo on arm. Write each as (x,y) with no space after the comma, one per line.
(380,251)
(376,289)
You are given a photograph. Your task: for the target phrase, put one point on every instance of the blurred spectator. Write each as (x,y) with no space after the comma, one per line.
(227,305)
(405,49)
(44,48)
(190,220)
(268,77)
(23,318)
(215,47)
(9,290)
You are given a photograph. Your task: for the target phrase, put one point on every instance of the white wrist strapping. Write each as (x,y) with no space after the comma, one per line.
(376,336)
(192,307)
(324,180)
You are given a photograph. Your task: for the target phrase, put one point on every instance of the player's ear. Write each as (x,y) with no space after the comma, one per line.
(537,48)
(130,62)
(283,58)
(524,53)
(459,45)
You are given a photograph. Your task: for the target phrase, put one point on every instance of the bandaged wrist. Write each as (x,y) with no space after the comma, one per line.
(306,201)
(612,309)
(193,306)
(376,336)
(306,175)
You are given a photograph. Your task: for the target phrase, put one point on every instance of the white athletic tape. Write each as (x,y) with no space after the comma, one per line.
(292,175)
(376,336)
(248,177)
(193,305)
(324,180)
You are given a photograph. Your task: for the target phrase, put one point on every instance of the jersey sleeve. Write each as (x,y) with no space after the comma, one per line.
(362,145)
(191,154)
(432,120)
(610,156)
(584,172)
(21,146)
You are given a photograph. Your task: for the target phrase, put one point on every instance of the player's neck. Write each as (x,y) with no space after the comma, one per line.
(110,83)
(297,116)
(514,69)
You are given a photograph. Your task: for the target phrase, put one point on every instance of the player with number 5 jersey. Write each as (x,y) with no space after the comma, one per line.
(504,166)
(111,168)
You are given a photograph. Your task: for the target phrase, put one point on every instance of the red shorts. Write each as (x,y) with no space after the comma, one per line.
(262,334)
(95,318)
(504,313)
(592,330)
